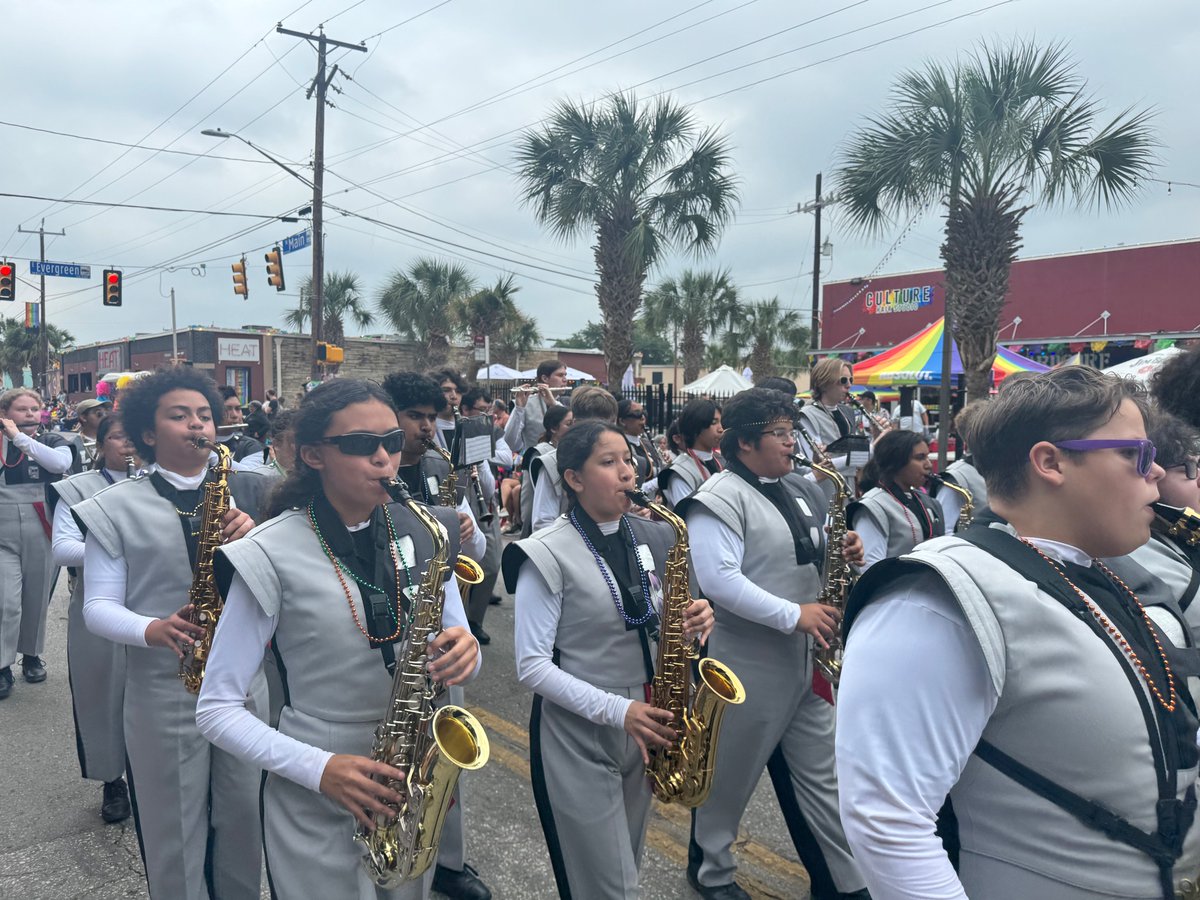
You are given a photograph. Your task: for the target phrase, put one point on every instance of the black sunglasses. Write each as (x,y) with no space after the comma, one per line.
(365,443)
(640,414)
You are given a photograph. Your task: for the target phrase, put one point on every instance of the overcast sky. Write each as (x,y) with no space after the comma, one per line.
(475,72)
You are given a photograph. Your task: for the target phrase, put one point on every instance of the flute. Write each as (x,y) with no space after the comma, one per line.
(534,389)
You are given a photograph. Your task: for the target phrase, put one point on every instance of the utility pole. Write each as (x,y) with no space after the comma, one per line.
(815,207)
(44,336)
(319,86)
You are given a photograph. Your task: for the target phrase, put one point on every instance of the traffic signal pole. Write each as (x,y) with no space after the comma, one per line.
(44,342)
(318,87)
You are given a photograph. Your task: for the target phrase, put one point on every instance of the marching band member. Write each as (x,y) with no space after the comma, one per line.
(756,535)
(1009,668)
(90,414)
(419,400)
(327,579)
(194,805)
(829,417)
(549,496)
(32,460)
(700,433)
(558,421)
(894,515)
(1176,386)
(588,592)
(240,443)
(631,417)
(95,666)
(962,471)
(525,424)
(475,403)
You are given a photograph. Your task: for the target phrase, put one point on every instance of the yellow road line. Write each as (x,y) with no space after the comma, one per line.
(675,850)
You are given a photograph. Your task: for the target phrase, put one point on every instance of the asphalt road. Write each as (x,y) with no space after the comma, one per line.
(54,846)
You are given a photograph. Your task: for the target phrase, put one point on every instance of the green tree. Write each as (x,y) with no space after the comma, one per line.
(343,300)
(654,347)
(421,303)
(641,180)
(518,335)
(691,308)
(19,347)
(988,137)
(772,336)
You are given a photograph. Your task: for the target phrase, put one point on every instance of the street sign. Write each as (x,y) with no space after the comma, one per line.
(297,241)
(62,270)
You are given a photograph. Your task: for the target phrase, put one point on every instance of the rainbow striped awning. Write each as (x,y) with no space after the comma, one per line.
(919,361)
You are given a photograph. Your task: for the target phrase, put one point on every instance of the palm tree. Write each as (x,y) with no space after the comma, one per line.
(485,312)
(641,180)
(343,300)
(420,304)
(518,335)
(988,137)
(19,347)
(772,336)
(691,308)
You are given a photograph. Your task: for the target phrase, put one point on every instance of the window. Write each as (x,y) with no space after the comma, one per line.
(238,378)
(656,377)
(72,384)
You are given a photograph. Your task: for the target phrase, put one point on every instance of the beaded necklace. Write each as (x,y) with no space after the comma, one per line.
(612,588)
(339,567)
(1115,634)
(4,459)
(912,524)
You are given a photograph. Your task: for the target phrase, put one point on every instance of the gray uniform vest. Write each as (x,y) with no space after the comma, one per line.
(1067,711)
(683,468)
(77,488)
(535,413)
(337,675)
(1161,575)
(592,641)
(966,475)
(26,482)
(770,556)
(819,422)
(895,520)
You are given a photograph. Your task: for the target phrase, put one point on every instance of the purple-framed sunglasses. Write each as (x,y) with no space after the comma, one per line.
(1145,449)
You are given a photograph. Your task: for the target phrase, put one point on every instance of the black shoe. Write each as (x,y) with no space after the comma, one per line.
(464,885)
(729,891)
(6,682)
(480,635)
(33,669)
(495,600)
(115,807)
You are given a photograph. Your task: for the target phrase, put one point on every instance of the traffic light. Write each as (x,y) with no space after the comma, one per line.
(8,281)
(112,287)
(330,354)
(274,268)
(239,278)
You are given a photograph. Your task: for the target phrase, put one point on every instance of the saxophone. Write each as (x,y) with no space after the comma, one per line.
(204,597)
(1180,525)
(967,512)
(881,425)
(683,772)
(431,746)
(466,570)
(838,576)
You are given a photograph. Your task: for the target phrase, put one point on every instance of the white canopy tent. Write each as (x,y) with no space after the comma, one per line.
(1142,368)
(722,382)
(497,372)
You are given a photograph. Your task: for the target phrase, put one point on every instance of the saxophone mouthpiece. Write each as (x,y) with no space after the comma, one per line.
(202,443)
(396,489)
(638,497)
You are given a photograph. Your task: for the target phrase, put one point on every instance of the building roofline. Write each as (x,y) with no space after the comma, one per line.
(1019,342)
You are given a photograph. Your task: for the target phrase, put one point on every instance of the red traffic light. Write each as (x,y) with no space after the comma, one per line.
(114,278)
(112,287)
(8,281)
(6,271)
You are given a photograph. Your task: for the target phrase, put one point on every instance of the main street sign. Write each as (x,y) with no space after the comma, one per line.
(296,241)
(62,270)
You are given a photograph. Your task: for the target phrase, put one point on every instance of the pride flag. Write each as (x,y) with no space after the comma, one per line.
(33,317)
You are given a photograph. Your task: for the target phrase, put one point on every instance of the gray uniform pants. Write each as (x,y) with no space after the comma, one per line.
(308,838)
(196,806)
(593,799)
(25,567)
(782,717)
(96,669)
(481,594)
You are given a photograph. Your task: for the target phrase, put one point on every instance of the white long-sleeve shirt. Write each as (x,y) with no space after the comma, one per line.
(56,460)
(105,580)
(677,488)
(547,502)
(66,538)
(537,613)
(914,699)
(236,656)
(514,429)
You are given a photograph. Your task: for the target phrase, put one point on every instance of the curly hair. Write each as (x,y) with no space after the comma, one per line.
(1176,386)
(139,401)
(1174,439)
(410,389)
(747,413)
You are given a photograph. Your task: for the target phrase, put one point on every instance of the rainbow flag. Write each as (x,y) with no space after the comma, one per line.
(33,317)
(919,361)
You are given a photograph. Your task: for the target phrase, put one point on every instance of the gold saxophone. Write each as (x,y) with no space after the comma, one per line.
(1181,525)
(204,597)
(967,512)
(683,772)
(466,570)
(881,425)
(838,576)
(431,746)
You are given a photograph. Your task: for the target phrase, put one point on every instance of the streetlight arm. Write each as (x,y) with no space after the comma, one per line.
(218,133)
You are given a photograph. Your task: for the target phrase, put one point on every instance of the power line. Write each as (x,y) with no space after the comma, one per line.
(423,12)
(98,140)
(206,212)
